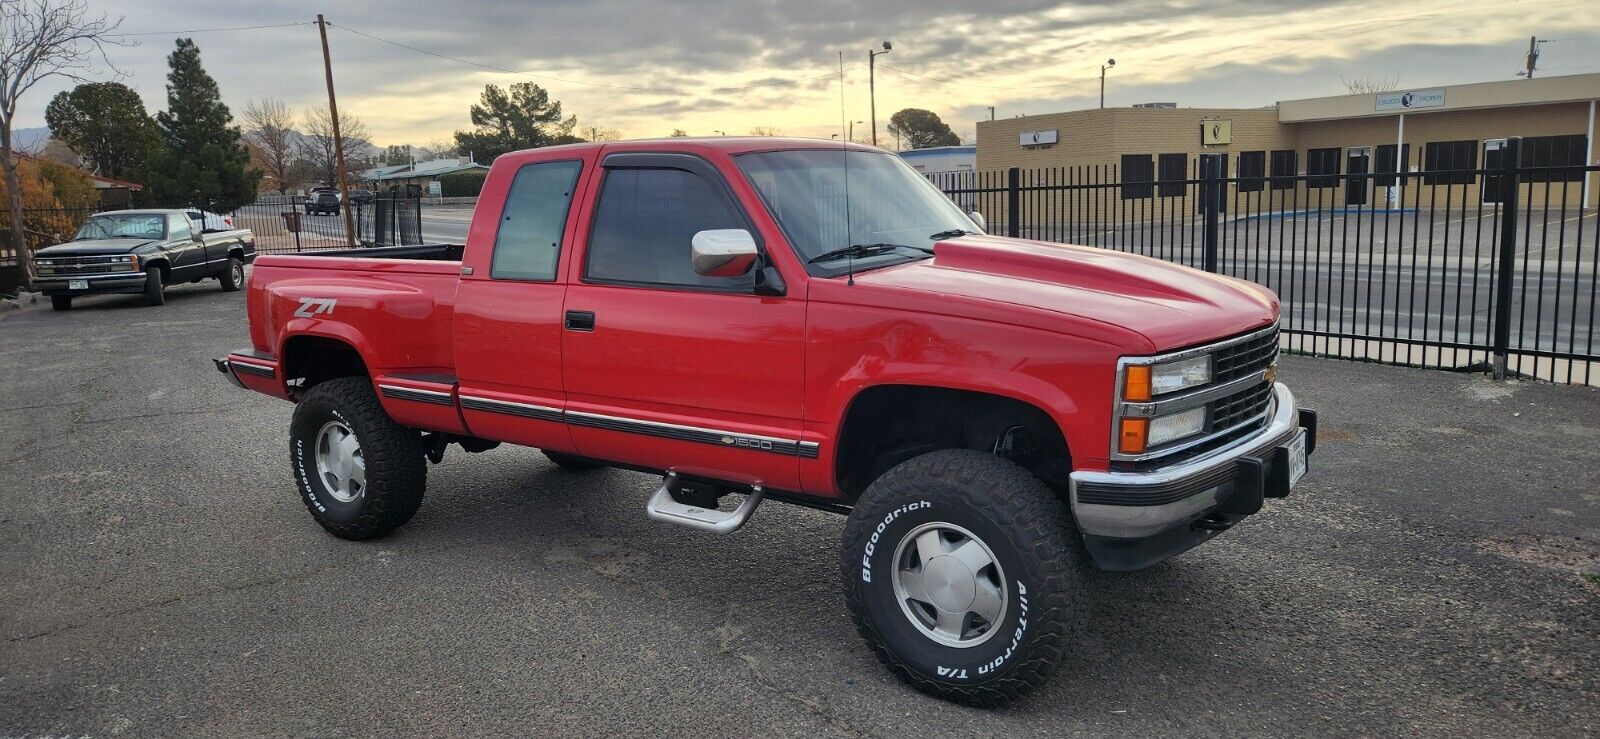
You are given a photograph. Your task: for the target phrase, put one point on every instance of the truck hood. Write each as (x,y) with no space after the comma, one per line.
(1170,305)
(93,247)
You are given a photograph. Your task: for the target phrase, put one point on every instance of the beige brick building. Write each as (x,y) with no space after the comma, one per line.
(1455,127)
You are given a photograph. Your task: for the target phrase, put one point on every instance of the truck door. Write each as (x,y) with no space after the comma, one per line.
(668,369)
(507,327)
(185,254)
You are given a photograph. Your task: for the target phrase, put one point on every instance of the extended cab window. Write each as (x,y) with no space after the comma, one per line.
(178,228)
(528,242)
(645,222)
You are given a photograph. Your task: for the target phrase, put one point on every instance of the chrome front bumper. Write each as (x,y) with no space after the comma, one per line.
(57,284)
(1141,505)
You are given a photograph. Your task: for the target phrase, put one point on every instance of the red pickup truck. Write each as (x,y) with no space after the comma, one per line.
(807,322)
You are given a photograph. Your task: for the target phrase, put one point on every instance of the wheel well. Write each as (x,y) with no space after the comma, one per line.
(890,424)
(316,359)
(166,269)
(237,250)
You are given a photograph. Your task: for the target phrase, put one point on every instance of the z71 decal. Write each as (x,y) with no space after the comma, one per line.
(312,307)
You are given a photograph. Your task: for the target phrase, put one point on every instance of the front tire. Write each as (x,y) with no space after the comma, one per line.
(360,474)
(233,279)
(61,302)
(965,575)
(154,290)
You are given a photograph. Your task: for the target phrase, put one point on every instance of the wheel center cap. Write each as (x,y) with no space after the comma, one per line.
(951,585)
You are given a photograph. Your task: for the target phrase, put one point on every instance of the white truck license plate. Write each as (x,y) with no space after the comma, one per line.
(1297,458)
(77,284)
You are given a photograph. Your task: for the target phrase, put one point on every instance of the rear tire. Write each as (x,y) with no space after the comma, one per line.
(978,625)
(61,302)
(359,473)
(233,279)
(154,290)
(569,462)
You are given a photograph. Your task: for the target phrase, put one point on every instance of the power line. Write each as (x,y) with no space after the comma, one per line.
(631,88)
(989,87)
(208,30)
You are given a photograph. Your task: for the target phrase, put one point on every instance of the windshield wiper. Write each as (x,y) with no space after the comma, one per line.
(952,233)
(863,250)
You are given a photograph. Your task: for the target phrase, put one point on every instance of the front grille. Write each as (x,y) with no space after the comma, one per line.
(1242,359)
(71,266)
(1232,410)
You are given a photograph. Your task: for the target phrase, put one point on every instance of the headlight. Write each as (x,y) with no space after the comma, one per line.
(1142,382)
(1176,426)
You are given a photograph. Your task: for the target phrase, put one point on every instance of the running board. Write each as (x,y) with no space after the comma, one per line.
(663,507)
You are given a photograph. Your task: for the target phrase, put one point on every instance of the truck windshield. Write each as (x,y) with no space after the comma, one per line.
(123,226)
(877,202)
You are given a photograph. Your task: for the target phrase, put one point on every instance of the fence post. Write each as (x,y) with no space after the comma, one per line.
(1210,179)
(1510,160)
(1014,202)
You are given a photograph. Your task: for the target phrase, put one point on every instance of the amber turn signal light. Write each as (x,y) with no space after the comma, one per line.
(1132,435)
(1136,383)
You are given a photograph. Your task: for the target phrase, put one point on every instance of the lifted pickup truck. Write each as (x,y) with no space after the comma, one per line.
(141,251)
(812,323)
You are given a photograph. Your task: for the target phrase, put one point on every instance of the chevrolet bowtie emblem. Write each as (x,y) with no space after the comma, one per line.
(1272,373)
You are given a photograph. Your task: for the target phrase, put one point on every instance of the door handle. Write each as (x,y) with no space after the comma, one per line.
(580,320)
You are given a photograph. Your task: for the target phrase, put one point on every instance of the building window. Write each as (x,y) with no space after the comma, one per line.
(1555,151)
(1450,162)
(1283,169)
(1385,165)
(1322,168)
(1174,171)
(1252,170)
(1138,171)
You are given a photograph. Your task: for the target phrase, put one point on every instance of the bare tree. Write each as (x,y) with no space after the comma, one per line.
(269,126)
(765,131)
(40,39)
(316,143)
(600,133)
(1365,85)
(438,149)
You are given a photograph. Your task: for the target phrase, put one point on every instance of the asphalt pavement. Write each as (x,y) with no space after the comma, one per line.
(1438,573)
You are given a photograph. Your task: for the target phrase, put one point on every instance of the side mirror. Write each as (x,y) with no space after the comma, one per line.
(983,223)
(723,252)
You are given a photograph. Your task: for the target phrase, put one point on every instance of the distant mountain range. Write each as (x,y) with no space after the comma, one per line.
(29,139)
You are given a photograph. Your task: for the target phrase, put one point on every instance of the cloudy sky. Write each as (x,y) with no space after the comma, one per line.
(645,67)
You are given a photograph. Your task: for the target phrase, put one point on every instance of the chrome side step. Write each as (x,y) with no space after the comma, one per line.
(663,507)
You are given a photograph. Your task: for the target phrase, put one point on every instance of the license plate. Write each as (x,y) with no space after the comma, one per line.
(77,284)
(1297,458)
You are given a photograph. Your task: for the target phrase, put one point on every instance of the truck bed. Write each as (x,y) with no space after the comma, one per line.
(421,252)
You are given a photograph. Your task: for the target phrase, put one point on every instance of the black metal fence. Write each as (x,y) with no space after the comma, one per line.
(1491,268)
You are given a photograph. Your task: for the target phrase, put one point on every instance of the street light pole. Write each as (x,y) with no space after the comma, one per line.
(1109,63)
(872,85)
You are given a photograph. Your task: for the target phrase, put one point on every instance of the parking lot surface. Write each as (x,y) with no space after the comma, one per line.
(1438,572)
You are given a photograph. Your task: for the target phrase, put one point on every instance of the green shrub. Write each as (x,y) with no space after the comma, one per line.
(462,184)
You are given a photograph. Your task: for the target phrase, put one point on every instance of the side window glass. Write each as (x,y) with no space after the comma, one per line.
(178,228)
(645,222)
(528,242)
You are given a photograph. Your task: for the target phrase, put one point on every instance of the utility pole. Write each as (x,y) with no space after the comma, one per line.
(872,85)
(338,141)
(1109,63)
(1533,55)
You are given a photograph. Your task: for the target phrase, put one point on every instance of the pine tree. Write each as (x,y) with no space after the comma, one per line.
(202,157)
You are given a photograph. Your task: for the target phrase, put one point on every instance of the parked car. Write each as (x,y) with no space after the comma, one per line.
(317,202)
(362,197)
(141,251)
(994,415)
